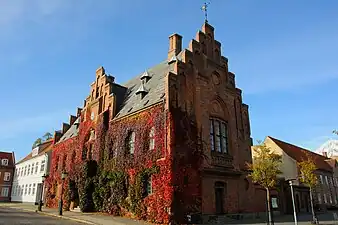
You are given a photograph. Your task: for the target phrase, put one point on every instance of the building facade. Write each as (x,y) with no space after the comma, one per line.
(28,177)
(324,194)
(171,142)
(7,162)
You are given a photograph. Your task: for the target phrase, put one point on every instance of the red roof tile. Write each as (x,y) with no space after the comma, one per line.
(299,154)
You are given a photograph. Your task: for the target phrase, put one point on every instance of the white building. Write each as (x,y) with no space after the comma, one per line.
(329,149)
(28,176)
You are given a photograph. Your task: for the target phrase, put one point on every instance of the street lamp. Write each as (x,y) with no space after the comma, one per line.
(63,177)
(41,192)
(293,201)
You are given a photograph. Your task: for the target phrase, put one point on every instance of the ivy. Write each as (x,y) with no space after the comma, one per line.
(111,180)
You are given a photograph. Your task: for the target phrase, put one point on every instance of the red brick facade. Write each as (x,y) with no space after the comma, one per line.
(7,165)
(180,98)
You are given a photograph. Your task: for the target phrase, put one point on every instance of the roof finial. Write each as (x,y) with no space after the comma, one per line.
(205,9)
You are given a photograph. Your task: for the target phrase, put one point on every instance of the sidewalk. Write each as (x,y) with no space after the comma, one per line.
(86,218)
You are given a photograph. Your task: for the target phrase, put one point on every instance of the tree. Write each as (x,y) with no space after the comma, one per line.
(307,167)
(37,142)
(335,132)
(47,136)
(264,171)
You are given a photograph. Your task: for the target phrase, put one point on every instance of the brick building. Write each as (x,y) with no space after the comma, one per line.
(7,162)
(181,127)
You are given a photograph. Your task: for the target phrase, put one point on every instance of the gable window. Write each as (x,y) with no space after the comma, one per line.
(218,136)
(130,142)
(152,138)
(7,176)
(4,162)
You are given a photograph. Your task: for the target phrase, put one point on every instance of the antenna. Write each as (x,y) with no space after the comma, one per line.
(205,9)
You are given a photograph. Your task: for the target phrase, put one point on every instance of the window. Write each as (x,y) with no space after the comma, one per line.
(42,168)
(13,190)
(321,179)
(218,136)
(131,143)
(36,167)
(21,173)
(327,180)
(29,169)
(152,138)
(330,197)
(32,171)
(148,187)
(319,198)
(7,176)
(33,190)
(29,189)
(26,189)
(4,162)
(25,171)
(4,192)
(22,189)
(325,199)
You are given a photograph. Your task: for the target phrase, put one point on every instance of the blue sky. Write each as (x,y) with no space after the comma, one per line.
(284,55)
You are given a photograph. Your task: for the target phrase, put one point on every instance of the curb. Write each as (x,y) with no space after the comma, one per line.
(53,215)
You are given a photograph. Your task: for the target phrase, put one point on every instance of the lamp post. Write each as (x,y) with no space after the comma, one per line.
(63,177)
(293,202)
(41,192)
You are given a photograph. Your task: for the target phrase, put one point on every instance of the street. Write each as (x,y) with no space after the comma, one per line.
(10,216)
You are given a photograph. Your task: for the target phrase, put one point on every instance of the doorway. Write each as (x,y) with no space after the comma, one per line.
(219,197)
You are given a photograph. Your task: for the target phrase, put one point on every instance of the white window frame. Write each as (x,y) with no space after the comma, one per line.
(4,162)
(7,176)
(42,167)
(152,138)
(4,191)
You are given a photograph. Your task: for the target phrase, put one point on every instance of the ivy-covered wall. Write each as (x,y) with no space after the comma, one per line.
(112,180)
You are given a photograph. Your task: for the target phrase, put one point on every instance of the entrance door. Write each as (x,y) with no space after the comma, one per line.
(38,193)
(219,197)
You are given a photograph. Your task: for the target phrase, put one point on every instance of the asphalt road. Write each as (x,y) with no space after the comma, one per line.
(10,216)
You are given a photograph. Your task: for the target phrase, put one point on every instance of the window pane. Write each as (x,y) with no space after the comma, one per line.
(211,126)
(218,144)
(224,145)
(217,131)
(212,143)
(224,130)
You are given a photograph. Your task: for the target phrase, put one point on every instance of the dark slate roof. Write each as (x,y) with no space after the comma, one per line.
(72,131)
(155,86)
(128,101)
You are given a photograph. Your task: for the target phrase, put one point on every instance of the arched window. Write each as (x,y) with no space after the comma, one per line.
(218,135)
(152,138)
(130,143)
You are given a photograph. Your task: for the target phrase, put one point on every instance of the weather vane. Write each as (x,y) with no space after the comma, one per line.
(205,9)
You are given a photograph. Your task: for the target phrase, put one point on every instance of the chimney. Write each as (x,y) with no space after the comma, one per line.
(175,45)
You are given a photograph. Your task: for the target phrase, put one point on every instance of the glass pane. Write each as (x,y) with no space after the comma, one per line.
(224,130)
(212,143)
(224,145)
(217,131)
(152,132)
(218,144)
(211,127)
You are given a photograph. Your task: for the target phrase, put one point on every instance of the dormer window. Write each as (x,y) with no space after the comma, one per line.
(142,91)
(145,77)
